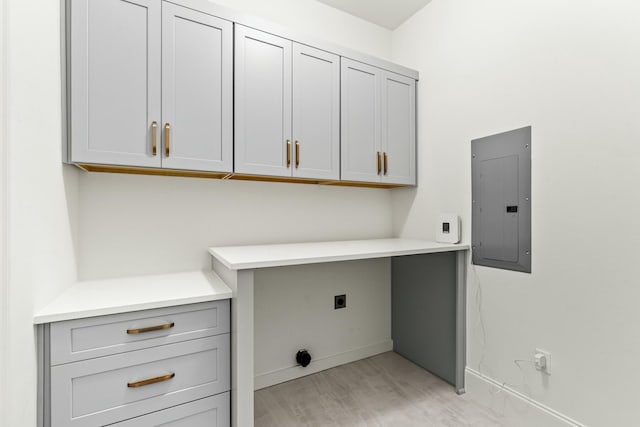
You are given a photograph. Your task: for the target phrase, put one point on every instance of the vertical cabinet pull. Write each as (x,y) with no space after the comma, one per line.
(167,139)
(288,153)
(385,162)
(154,137)
(297,154)
(379,163)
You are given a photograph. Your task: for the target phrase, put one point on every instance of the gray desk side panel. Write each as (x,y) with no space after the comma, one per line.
(423,319)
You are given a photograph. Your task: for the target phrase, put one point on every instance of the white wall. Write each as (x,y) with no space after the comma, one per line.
(571,70)
(41,193)
(4,226)
(66,223)
(132,225)
(294,309)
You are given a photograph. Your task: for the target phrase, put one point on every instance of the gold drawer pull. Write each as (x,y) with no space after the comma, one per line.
(151,381)
(297,154)
(151,329)
(385,162)
(167,139)
(154,137)
(288,153)
(379,163)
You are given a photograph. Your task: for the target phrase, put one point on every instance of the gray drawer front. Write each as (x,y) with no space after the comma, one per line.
(83,339)
(95,392)
(209,412)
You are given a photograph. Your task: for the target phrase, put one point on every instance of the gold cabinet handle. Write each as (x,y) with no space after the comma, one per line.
(379,163)
(154,137)
(385,162)
(167,139)
(288,153)
(151,381)
(297,154)
(151,329)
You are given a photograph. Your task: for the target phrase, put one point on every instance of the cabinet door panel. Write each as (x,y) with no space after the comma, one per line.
(360,128)
(212,411)
(316,113)
(196,89)
(399,129)
(262,102)
(115,86)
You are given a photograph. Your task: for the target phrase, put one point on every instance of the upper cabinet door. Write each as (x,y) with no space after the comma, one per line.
(263,144)
(197,92)
(399,129)
(360,111)
(115,85)
(316,113)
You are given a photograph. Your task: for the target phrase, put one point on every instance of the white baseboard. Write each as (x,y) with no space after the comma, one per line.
(320,364)
(514,408)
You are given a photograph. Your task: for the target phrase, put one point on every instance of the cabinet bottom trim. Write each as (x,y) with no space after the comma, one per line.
(226,176)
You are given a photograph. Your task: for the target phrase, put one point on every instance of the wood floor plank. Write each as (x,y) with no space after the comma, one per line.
(381,391)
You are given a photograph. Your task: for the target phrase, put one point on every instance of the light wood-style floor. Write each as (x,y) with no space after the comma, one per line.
(384,390)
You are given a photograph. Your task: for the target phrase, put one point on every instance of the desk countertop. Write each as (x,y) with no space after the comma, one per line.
(261,256)
(101,297)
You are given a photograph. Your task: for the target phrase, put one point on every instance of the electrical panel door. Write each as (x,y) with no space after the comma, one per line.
(501,200)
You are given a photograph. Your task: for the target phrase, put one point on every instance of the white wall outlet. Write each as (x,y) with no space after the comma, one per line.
(542,361)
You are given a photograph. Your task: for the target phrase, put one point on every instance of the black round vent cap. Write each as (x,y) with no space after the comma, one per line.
(303,358)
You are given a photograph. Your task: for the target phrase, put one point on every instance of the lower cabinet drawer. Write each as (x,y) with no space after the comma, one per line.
(109,389)
(209,412)
(81,339)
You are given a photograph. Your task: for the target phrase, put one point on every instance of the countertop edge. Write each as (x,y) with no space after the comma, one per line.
(446,247)
(76,301)
(39,319)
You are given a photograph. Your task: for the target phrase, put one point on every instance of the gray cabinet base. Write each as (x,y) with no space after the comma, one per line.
(428,313)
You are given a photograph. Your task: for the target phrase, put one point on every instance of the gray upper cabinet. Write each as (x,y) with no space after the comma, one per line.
(287,108)
(160,85)
(378,143)
(360,144)
(197,91)
(262,103)
(115,81)
(398,129)
(150,86)
(316,113)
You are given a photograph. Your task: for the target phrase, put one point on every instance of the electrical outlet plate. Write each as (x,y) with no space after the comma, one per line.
(547,355)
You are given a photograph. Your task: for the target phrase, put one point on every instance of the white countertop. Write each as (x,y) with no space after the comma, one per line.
(260,256)
(101,297)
